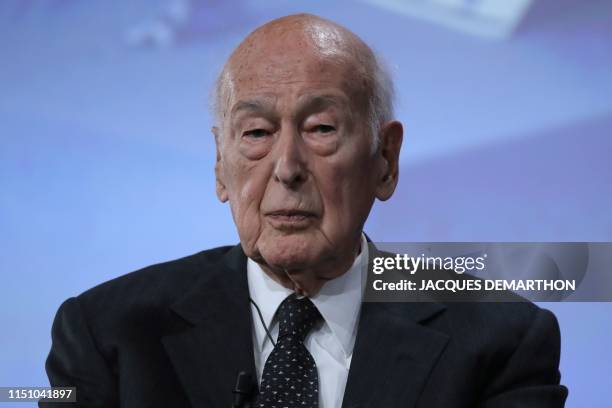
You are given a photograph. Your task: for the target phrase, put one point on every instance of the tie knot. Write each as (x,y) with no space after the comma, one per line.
(296,317)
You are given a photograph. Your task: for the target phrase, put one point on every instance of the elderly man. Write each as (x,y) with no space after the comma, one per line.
(306,142)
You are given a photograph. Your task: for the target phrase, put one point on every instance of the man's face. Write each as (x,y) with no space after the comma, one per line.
(295,159)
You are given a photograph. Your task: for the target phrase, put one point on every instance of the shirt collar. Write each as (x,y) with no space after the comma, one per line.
(338,301)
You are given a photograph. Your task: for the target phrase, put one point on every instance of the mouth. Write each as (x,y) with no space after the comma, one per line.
(290,218)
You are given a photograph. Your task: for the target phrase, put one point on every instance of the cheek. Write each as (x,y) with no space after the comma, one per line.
(348,193)
(246,187)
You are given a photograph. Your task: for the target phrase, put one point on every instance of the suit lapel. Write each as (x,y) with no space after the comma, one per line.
(216,343)
(394,353)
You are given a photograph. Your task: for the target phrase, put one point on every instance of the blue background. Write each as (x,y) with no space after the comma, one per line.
(106,159)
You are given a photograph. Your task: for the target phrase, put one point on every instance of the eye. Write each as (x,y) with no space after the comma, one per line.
(324,129)
(256,133)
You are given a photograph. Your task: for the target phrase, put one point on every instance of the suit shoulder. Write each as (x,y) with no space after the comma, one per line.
(158,283)
(508,313)
(493,324)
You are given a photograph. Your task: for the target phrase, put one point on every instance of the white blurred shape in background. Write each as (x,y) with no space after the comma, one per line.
(494,19)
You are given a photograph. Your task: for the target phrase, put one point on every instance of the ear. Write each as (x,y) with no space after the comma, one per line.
(390,143)
(219,173)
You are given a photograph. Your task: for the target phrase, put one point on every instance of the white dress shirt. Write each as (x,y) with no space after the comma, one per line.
(331,342)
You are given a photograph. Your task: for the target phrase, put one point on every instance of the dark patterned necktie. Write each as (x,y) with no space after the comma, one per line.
(290,377)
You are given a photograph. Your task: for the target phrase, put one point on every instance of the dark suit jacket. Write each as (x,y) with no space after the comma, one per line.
(176,335)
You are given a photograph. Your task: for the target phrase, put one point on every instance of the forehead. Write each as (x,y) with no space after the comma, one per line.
(292,67)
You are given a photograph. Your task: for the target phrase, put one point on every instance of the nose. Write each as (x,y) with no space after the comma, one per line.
(290,167)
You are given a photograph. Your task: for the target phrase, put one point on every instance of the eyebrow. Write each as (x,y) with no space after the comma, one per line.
(308,102)
(251,105)
(312,102)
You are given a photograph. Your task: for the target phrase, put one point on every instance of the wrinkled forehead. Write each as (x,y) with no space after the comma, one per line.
(293,63)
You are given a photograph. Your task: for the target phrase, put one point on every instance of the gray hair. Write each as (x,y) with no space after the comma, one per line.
(381,96)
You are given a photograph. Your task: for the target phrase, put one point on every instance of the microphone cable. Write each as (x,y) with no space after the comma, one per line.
(263,323)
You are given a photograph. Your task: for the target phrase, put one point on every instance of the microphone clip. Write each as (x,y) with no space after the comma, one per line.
(243,391)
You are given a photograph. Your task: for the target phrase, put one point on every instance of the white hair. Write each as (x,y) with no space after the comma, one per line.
(381,98)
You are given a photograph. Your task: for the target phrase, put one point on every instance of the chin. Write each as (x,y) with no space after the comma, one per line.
(291,251)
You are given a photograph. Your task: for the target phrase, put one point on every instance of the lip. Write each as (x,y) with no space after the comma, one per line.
(290,213)
(290,218)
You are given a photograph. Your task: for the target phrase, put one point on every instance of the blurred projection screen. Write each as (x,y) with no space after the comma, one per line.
(495,19)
